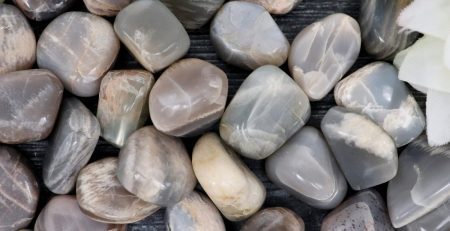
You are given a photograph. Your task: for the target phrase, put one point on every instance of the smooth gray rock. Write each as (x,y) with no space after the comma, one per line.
(436,220)
(245,35)
(40,10)
(193,14)
(274,219)
(266,111)
(365,152)
(277,6)
(305,167)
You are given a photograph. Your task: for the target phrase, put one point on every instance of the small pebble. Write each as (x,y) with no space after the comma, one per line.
(106,7)
(274,219)
(40,10)
(277,6)
(193,14)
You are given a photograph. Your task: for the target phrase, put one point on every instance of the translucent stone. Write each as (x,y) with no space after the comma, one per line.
(41,10)
(436,220)
(274,219)
(193,14)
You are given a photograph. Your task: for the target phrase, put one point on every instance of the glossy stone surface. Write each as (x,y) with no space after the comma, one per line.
(188,97)
(436,220)
(71,146)
(363,211)
(155,167)
(230,184)
(40,10)
(19,191)
(123,104)
(193,14)
(422,182)
(364,151)
(195,212)
(106,7)
(17,41)
(79,63)
(277,6)
(375,91)
(152,34)
(30,101)
(381,35)
(102,198)
(323,52)
(267,110)
(274,219)
(305,167)
(245,35)
(63,211)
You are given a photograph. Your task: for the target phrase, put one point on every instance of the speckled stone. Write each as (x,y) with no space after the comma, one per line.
(188,97)
(106,7)
(193,14)
(245,35)
(277,6)
(436,220)
(40,10)
(274,219)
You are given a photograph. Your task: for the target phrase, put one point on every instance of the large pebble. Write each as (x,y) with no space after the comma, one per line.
(106,7)
(41,10)
(436,220)
(277,6)
(266,111)
(323,52)
(188,97)
(245,35)
(274,219)
(193,14)
(79,48)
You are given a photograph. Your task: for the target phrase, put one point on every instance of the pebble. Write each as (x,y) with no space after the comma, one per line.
(193,14)
(436,220)
(108,8)
(40,10)
(277,6)
(274,219)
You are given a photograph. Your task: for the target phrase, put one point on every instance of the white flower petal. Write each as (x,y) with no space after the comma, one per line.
(438,118)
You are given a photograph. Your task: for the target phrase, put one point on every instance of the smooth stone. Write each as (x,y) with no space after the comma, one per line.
(277,6)
(79,63)
(123,104)
(245,35)
(193,14)
(19,191)
(363,211)
(63,211)
(195,212)
(375,91)
(365,152)
(40,10)
(323,52)
(421,184)
(106,7)
(152,34)
(274,219)
(266,111)
(230,184)
(17,40)
(102,198)
(188,97)
(71,146)
(381,35)
(305,167)
(155,167)
(436,220)
(30,103)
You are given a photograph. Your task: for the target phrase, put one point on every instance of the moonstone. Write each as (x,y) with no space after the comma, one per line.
(152,34)
(155,167)
(274,219)
(188,97)
(30,101)
(363,211)
(19,191)
(245,35)
(277,6)
(40,10)
(106,7)
(323,52)
(422,182)
(305,167)
(123,104)
(193,14)
(365,152)
(267,110)
(71,146)
(79,48)
(102,198)
(375,91)
(231,185)
(436,220)
(194,213)
(17,41)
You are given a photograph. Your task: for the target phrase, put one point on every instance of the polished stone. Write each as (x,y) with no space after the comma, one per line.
(363,211)
(71,145)
(17,40)
(277,6)
(79,63)
(155,167)
(422,182)
(102,198)
(19,191)
(106,7)
(195,212)
(365,152)
(274,219)
(266,111)
(152,34)
(245,35)
(30,102)
(123,104)
(305,167)
(375,91)
(40,10)
(436,220)
(193,14)
(230,184)
(323,52)
(188,97)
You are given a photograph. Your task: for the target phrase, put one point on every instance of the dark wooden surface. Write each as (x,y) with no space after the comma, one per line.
(306,13)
